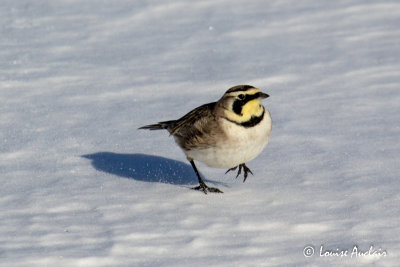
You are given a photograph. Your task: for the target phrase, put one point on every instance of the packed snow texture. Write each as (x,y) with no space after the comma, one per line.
(81,186)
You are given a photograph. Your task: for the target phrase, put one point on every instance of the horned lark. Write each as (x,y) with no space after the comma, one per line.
(223,134)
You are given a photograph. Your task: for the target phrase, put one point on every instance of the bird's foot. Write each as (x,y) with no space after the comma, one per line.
(203,187)
(246,171)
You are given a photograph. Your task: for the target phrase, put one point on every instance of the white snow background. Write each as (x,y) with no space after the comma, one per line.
(81,186)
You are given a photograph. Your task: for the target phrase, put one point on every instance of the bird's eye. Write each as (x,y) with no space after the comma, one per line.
(241,96)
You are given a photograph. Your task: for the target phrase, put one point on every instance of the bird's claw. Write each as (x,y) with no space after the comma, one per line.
(206,189)
(246,171)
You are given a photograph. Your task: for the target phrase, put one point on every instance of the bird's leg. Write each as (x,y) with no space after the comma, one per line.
(245,169)
(203,187)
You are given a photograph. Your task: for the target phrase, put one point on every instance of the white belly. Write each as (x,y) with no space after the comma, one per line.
(240,146)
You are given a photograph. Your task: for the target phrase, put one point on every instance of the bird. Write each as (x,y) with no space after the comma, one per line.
(226,134)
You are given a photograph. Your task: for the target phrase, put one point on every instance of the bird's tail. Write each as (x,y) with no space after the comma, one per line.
(164,125)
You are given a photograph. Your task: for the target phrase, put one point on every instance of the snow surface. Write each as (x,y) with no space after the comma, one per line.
(81,186)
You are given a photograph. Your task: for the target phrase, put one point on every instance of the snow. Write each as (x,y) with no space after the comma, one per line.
(81,186)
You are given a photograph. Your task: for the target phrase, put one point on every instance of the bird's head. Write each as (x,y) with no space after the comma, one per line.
(242,102)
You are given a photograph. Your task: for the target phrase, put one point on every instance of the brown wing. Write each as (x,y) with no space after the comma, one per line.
(197,129)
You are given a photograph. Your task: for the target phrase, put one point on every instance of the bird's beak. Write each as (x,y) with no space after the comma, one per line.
(263,95)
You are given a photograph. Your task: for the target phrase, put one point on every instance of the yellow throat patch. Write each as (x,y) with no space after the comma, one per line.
(251,109)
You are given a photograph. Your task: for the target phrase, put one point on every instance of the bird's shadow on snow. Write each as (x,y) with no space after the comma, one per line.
(143,167)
